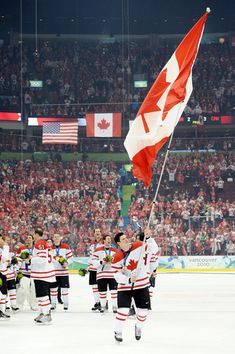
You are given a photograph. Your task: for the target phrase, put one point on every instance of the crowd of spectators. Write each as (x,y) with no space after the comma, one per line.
(98,77)
(73,198)
(188,226)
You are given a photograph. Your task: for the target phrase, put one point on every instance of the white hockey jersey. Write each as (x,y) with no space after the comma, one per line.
(137,260)
(42,267)
(153,252)
(93,246)
(64,251)
(103,271)
(4,259)
(12,269)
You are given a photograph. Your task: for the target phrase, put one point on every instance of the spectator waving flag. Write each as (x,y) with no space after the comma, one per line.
(163,105)
(60,132)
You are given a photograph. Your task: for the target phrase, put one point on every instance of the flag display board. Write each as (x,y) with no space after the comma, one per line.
(60,133)
(103,125)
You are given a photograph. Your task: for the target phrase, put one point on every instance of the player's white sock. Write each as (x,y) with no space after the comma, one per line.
(2,302)
(12,297)
(95,293)
(44,304)
(114,298)
(121,317)
(65,296)
(141,315)
(103,297)
(54,293)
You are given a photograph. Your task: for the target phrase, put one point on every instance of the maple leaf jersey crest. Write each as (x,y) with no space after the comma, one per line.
(103,124)
(132,265)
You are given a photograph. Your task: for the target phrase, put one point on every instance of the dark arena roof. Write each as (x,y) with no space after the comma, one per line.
(114,16)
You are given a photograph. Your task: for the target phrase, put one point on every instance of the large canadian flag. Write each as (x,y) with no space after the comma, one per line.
(103,125)
(163,105)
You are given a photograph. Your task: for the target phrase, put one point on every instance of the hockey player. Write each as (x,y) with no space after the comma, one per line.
(92,270)
(152,261)
(11,278)
(153,256)
(26,289)
(62,256)
(101,260)
(43,273)
(4,261)
(131,268)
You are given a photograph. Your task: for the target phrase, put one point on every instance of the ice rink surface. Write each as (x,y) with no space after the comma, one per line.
(192,313)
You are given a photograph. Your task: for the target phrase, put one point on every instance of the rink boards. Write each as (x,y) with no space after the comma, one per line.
(178,264)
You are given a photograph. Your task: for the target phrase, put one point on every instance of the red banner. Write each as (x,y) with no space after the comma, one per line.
(10,116)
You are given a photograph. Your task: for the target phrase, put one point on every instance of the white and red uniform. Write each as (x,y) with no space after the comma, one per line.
(136,263)
(93,246)
(92,269)
(105,275)
(11,270)
(61,273)
(124,263)
(4,261)
(103,271)
(11,281)
(63,251)
(153,259)
(43,273)
(42,267)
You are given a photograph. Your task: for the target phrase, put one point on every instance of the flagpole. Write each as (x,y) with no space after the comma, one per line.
(160,179)
(180,82)
(155,197)
(162,171)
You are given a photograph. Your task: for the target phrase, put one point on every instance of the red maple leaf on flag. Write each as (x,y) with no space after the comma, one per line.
(103,124)
(132,265)
(150,103)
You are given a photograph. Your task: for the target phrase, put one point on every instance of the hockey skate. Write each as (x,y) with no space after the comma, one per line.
(53,307)
(4,316)
(103,310)
(118,336)
(38,317)
(15,309)
(137,333)
(114,309)
(45,319)
(96,307)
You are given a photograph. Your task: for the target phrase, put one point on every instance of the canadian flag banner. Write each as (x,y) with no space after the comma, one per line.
(103,125)
(163,105)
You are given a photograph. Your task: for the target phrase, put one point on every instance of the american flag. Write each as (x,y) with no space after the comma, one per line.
(60,132)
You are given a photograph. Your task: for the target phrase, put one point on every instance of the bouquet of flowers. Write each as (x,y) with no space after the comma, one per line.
(25,255)
(61,260)
(82,272)
(20,275)
(14,261)
(108,258)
